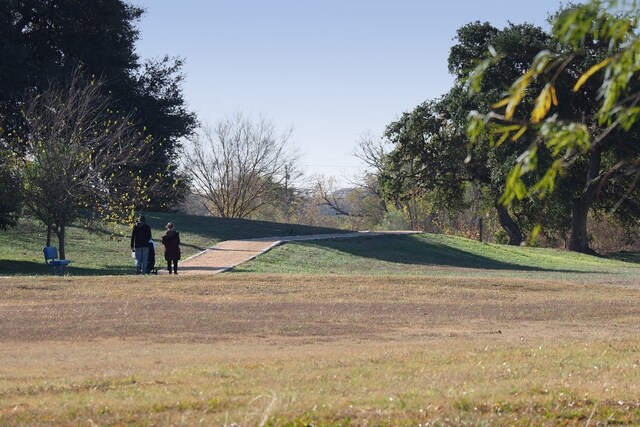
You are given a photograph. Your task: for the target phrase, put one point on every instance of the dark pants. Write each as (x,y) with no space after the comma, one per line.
(173,262)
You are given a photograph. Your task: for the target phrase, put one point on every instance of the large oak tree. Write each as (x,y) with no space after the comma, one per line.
(43,41)
(431,148)
(513,150)
(585,114)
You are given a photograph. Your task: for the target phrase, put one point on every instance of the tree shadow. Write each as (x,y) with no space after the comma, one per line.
(198,234)
(218,229)
(214,228)
(16,267)
(626,256)
(410,250)
(32,268)
(109,270)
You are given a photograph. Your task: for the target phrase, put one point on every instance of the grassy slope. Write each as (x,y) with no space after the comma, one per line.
(107,252)
(434,254)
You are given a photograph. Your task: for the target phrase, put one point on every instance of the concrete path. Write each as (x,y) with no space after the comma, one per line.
(226,255)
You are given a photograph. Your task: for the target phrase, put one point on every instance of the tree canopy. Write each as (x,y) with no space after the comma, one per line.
(431,148)
(12,196)
(43,41)
(79,154)
(584,112)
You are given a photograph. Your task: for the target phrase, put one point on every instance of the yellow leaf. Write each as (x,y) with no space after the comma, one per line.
(518,90)
(501,103)
(543,104)
(502,139)
(518,134)
(534,234)
(590,72)
(511,108)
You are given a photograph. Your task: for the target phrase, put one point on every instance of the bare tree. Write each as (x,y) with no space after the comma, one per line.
(240,165)
(337,200)
(79,155)
(360,202)
(373,151)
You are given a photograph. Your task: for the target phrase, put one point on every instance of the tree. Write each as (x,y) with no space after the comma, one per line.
(11,185)
(374,152)
(432,154)
(157,102)
(79,155)
(45,40)
(584,115)
(362,201)
(240,165)
(359,203)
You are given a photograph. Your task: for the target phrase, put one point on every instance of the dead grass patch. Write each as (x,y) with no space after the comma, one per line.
(296,350)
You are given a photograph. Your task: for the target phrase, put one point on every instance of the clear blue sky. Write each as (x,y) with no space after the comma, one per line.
(332,69)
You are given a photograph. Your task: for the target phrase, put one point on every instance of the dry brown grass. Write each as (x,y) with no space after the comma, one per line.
(291,350)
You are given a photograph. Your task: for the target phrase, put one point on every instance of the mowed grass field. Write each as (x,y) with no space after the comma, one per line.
(441,255)
(247,349)
(398,330)
(106,250)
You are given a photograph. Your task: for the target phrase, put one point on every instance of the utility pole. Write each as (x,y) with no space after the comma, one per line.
(286,192)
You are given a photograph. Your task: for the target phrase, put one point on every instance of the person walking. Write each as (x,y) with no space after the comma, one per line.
(140,237)
(171,242)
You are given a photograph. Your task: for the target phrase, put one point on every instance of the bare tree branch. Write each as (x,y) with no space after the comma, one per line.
(239,164)
(331,198)
(79,154)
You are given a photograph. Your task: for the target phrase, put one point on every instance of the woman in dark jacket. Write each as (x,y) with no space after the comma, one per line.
(171,242)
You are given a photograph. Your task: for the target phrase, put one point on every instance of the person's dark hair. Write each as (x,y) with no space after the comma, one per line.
(143,219)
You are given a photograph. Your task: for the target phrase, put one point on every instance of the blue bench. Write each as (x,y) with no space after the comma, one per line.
(51,259)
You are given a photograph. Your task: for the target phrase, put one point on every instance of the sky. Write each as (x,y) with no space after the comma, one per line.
(333,70)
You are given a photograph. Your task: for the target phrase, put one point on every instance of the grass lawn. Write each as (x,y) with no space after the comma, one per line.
(107,252)
(293,350)
(390,331)
(439,255)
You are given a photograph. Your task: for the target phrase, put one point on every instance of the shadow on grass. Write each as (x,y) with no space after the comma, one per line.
(117,270)
(218,229)
(31,268)
(633,257)
(24,243)
(13,267)
(415,251)
(215,229)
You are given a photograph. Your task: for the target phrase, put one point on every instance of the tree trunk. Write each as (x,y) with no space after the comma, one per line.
(579,240)
(509,225)
(61,241)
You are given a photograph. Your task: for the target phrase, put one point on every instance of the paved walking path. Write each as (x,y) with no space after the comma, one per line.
(226,255)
